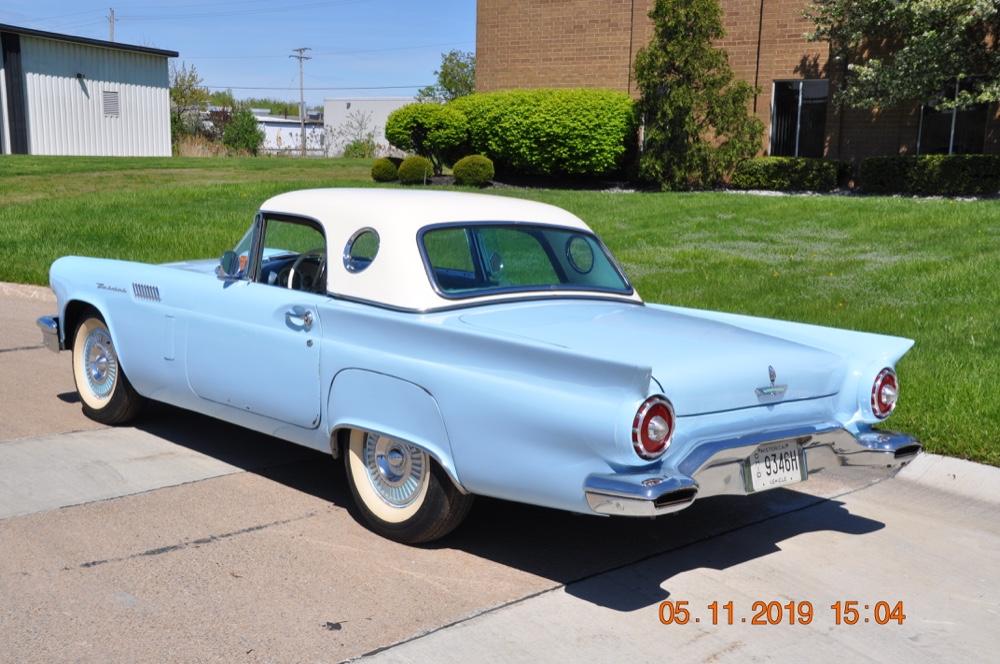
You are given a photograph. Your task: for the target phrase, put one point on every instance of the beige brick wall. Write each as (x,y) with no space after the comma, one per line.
(552,43)
(592,43)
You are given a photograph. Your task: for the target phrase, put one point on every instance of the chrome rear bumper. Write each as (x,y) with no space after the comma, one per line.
(716,468)
(49,325)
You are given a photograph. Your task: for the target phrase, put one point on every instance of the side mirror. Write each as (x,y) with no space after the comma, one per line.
(229,266)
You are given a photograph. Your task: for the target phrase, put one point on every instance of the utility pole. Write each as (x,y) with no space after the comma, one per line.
(111,24)
(301,57)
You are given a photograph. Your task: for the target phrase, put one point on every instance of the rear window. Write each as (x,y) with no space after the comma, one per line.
(480,259)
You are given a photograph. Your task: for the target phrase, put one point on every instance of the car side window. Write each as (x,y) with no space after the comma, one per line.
(242,251)
(293,255)
(513,257)
(361,250)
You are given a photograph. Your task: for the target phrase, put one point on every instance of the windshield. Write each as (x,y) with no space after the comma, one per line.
(468,260)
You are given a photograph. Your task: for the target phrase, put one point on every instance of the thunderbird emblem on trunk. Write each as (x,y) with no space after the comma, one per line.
(771,391)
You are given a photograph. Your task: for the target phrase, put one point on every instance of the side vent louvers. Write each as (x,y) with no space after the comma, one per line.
(144,292)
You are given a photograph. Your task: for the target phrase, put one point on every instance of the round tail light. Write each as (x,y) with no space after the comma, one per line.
(885,393)
(653,427)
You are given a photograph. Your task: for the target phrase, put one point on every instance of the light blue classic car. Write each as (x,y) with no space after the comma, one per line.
(453,344)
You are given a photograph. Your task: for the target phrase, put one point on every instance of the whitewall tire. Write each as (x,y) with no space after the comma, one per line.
(104,389)
(400,491)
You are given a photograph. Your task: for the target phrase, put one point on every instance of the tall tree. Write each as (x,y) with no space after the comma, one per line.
(697,122)
(906,51)
(187,94)
(456,78)
(242,133)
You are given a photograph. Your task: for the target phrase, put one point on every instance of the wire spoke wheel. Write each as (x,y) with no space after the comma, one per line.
(100,363)
(397,471)
(105,392)
(399,490)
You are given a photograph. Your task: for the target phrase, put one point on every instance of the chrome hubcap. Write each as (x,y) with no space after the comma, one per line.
(397,470)
(100,363)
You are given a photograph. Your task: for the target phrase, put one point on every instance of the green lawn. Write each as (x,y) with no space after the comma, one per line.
(925,269)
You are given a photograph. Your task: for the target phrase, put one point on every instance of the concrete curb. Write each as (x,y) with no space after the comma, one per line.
(26,292)
(968,479)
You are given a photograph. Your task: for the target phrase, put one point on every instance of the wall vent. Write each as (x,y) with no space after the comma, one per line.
(144,292)
(112,108)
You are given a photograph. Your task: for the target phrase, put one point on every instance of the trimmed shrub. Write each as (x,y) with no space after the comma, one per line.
(475,170)
(785,174)
(361,148)
(383,170)
(242,134)
(932,175)
(435,131)
(886,175)
(551,132)
(416,170)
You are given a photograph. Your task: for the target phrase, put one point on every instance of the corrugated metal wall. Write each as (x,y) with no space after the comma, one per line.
(66,114)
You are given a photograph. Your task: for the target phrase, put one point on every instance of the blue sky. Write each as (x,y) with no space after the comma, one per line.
(236,43)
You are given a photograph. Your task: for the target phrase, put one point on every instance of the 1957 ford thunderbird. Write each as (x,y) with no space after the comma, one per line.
(453,344)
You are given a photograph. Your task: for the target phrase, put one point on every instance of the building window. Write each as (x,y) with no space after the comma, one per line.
(953,131)
(112,109)
(798,118)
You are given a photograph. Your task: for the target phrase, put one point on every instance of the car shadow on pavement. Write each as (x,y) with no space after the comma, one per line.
(573,549)
(292,465)
(567,548)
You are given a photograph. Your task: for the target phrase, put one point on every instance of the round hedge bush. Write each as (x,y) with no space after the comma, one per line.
(430,130)
(416,170)
(383,170)
(474,170)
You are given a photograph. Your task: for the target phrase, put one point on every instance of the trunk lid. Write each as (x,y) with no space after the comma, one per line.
(704,366)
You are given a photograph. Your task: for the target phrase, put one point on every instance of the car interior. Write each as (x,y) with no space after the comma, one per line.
(293,255)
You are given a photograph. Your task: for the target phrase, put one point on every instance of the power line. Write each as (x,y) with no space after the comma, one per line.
(265,87)
(320,54)
(239,12)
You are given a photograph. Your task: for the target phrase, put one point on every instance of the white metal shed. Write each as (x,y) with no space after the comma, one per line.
(345,118)
(67,95)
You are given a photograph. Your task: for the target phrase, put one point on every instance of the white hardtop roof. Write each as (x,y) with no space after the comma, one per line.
(397,277)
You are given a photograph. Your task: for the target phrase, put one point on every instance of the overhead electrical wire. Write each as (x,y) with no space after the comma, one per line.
(320,54)
(355,87)
(239,12)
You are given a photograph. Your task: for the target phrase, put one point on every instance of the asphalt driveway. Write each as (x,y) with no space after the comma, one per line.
(187,539)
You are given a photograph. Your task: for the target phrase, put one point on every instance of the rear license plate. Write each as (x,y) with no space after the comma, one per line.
(773,465)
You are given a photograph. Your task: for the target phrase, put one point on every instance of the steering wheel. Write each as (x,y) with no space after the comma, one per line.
(320,252)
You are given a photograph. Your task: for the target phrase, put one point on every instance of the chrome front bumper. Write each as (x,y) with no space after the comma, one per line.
(49,325)
(716,468)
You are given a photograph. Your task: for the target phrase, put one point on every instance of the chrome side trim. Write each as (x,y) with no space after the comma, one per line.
(715,468)
(49,325)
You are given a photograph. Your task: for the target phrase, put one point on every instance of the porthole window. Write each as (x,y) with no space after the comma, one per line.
(580,254)
(361,250)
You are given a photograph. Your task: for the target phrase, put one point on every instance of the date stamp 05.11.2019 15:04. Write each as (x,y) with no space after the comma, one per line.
(774,612)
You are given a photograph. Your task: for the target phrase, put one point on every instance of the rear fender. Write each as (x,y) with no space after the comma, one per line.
(865,354)
(380,403)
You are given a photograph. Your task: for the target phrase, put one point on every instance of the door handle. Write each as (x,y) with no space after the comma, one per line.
(303,319)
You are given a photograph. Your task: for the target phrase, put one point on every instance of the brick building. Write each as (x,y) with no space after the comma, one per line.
(592,43)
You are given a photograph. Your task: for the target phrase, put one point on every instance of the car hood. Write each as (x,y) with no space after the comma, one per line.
(703,366)
(206,265)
